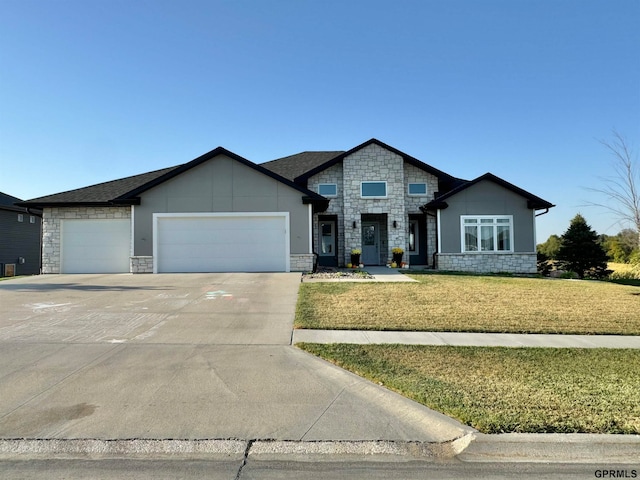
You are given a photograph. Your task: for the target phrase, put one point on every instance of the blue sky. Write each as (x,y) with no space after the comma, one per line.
(95,90)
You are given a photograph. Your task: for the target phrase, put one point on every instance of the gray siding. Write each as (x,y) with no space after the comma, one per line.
(20,239)
(487,198)
(221,185)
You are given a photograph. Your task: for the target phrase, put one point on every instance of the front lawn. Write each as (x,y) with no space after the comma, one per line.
(440,302)
(496,390)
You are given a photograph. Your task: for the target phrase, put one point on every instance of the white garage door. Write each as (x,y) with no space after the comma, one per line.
(95,246)
(218,242)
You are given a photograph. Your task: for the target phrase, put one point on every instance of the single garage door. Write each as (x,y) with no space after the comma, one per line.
(95,246)
(219,242)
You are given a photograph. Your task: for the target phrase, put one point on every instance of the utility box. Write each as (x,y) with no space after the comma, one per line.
(9,270)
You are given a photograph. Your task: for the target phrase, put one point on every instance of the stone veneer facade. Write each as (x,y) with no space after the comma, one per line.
(374,163)
(141,264)
(523,263)
(301,262)
(51,231)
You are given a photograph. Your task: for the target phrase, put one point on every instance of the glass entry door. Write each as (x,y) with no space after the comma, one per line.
(327,255)
(370,243)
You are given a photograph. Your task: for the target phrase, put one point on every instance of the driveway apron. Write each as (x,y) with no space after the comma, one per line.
(197,356)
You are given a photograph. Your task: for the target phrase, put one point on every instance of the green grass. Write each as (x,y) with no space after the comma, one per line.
(496,390)
(474,304)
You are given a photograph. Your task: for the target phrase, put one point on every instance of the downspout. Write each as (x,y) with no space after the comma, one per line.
(543,213)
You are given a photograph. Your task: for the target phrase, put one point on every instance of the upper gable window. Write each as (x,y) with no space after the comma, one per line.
(417,189)
(373,189)
(20,217)
(328,189)
(32,219)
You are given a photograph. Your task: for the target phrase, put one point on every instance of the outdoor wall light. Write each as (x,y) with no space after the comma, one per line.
(395,224)
(354,224)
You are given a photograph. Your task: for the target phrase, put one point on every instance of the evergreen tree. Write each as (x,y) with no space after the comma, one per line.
(580,251)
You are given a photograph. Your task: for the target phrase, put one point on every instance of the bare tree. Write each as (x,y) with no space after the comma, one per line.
(621,189)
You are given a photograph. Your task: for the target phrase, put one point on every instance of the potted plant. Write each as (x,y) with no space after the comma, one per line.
(355,256)
(397,255)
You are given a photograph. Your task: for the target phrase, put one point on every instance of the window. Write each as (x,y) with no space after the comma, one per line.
(32,219)
(328,189)
(413,237)
(417,189)
(487,233)
(373,189)
(20,217)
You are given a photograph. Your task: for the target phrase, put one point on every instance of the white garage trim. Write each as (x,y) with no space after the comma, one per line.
(95,245)
(167,236)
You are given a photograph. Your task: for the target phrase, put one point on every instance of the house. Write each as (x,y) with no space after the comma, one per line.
(20,234)
(381,198)
(222,212)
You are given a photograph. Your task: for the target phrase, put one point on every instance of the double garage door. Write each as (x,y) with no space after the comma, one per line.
(210,242)
(219,242)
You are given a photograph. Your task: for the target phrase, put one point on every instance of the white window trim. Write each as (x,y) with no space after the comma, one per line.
(379,196)
(20,217)
(495,224)
(417,194)
(328,184)
(32,219)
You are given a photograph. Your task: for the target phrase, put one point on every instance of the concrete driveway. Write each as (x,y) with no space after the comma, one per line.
(198,356)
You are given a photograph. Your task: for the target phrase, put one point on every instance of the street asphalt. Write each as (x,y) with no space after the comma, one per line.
(204,364)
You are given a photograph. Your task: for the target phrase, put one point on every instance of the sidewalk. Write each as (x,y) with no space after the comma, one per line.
(467,339)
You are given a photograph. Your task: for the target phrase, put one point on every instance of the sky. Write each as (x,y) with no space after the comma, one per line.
(95,90)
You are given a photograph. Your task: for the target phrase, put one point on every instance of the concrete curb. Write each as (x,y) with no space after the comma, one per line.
(472,447)
(552,448)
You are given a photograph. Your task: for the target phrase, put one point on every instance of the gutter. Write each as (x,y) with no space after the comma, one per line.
(543,213)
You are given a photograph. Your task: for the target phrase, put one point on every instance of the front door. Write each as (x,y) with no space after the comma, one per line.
(328,254)
(370,243)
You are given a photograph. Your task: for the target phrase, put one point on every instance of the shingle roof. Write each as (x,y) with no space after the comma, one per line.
(293,166)
(125,191)
(8,202)
(101,193)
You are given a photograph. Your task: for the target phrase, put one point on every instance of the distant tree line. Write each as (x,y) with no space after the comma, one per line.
(619,248)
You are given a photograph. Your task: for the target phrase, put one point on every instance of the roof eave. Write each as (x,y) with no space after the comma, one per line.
(40,205)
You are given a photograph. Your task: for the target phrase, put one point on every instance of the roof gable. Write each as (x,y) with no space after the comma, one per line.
(310,196)
(446,180)
(533,201)
(125,191)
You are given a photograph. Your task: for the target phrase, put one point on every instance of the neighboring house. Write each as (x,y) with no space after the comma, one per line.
(221,212)
(20,235)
